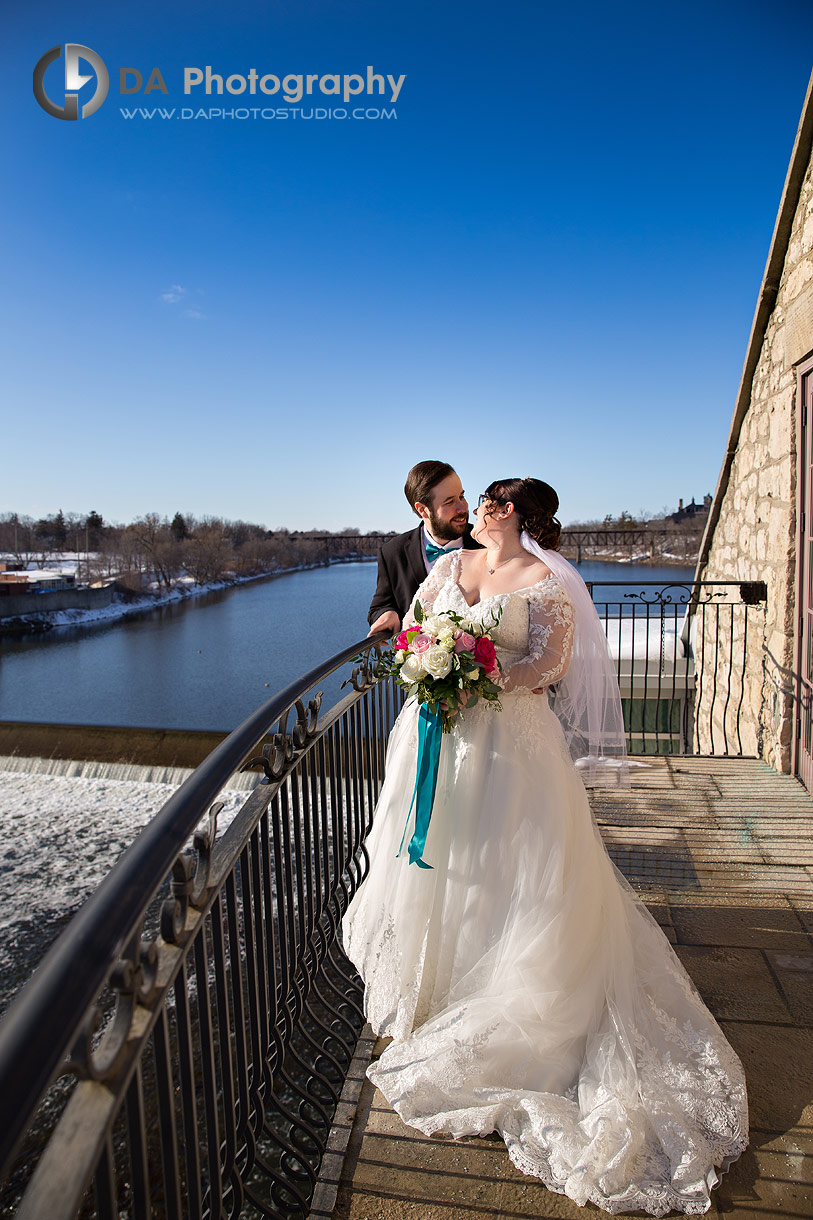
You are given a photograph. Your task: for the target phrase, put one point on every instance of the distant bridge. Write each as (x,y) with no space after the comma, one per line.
(339,545)
(634,538)
(575,541)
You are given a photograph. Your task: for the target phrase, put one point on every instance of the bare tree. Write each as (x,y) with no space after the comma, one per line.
(153,550)
(161,551)
(207,555)
(17,537)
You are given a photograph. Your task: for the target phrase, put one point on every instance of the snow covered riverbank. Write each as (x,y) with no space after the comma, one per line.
(122,608)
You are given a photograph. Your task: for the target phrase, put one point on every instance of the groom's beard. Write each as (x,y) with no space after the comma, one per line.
(447,531)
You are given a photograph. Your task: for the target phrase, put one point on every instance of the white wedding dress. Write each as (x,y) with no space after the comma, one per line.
(526,988)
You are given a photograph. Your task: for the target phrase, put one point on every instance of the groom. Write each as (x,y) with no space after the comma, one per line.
(433,491)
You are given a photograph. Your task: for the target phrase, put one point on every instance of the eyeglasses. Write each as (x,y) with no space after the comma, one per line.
(489,500)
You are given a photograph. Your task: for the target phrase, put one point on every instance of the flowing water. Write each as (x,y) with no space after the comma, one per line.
(207,663)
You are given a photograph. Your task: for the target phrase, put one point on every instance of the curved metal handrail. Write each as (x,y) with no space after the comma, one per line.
(70,976)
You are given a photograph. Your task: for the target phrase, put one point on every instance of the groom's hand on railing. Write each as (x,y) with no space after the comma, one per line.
(388,621)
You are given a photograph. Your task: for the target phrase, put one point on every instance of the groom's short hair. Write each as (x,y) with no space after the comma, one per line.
(422,481)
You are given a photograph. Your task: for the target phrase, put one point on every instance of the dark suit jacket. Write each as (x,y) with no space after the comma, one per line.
(401,569)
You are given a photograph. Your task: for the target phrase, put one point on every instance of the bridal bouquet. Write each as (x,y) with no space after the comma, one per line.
(446,662)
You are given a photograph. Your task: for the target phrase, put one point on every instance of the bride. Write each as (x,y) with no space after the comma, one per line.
(524,985)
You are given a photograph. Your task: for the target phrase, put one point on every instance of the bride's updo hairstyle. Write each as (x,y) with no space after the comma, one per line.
(535,503)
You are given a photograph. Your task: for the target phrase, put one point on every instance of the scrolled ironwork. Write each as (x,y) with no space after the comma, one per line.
(100,1050)
(174,909)
(360,679)
(203,842)
(676,594)
(277,755)
(262,762)
(306,720)
(667,596)
(369,670)
(190,882)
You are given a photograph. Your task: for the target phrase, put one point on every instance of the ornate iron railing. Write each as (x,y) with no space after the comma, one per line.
(689,662)
(183,1058)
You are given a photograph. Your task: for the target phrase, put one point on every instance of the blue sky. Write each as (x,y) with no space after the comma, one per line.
(546,264)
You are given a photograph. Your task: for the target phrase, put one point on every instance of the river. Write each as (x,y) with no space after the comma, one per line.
(208,662)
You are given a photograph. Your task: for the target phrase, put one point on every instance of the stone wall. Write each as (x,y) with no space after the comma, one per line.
(60,599)
(754,538)
(108,744)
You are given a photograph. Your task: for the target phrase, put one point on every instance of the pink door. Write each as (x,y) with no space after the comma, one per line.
(804,622)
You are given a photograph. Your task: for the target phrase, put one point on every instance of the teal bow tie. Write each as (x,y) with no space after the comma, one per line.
(432,551)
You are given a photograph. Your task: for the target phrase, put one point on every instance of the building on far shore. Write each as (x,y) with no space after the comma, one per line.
(760,525)
(15,581)
(691,511)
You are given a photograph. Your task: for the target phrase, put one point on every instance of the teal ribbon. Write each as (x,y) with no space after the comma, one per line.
(430,735)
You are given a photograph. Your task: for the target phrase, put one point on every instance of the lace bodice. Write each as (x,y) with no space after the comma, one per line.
(534,635)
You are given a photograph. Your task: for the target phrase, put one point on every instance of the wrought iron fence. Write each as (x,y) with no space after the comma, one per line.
(688,661)
(183,1058)
(182,1055)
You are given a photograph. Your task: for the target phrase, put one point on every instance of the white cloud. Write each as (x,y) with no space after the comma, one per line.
(173,294)
(177,293)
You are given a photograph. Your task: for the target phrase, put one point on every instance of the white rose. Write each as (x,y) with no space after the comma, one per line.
(412,669)
(446,639)
(433,624)
(437,661)
(399,656)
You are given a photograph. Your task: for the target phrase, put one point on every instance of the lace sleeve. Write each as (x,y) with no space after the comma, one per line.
(428,591)
(551,623)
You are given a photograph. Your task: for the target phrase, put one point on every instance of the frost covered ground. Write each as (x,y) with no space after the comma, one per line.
(185,589)
(121,609)
(59,836)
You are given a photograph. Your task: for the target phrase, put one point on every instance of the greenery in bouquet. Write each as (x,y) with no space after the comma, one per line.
(446,662)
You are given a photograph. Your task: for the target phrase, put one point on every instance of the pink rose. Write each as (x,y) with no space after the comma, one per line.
(485,653)
(420,644)
(464,642)
(405,638)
